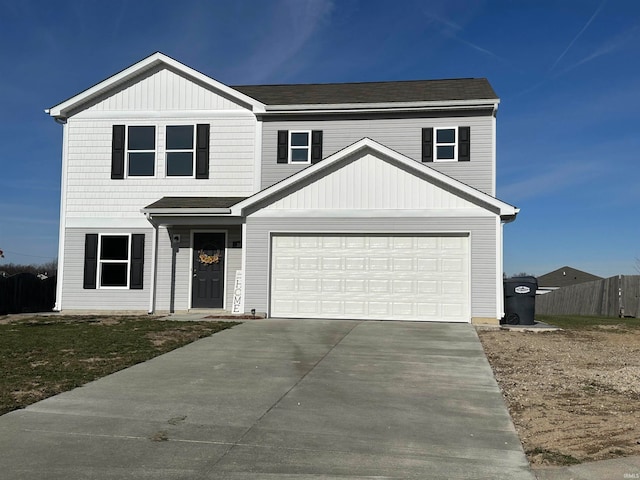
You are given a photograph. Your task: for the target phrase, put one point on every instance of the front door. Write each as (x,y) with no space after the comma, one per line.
(208,270)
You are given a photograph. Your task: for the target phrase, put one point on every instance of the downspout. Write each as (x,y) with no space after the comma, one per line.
(154,261)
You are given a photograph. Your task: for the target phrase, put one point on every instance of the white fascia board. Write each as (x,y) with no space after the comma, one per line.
(503,209)
(185,211)
(61,110)
(383,107)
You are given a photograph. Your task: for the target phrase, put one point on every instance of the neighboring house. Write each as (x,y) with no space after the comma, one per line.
(563,277)
(358,200)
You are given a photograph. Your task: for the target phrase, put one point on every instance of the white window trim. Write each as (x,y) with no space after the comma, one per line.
(179,150)
(291,147)
(154,151)
(100,261)
(445,144)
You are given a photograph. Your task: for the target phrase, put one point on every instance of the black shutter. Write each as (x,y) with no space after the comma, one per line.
(202,151)
(90,260)
(283,146)
(316,146)
(117,153)
(427,144)
(464,144)
(137,261)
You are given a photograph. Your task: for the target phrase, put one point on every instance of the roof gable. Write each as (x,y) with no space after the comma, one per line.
(143,69)
(565,276)
(331,184)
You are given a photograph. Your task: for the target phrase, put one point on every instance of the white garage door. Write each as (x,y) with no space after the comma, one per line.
(390,277)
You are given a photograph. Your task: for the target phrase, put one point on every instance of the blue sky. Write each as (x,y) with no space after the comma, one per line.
(567,73)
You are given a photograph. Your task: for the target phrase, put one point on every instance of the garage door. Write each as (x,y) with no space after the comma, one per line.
(393,277)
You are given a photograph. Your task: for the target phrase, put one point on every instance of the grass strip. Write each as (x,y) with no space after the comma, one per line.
(575,322)
(44,356)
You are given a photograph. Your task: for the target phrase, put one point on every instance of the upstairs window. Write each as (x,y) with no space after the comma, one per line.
(180,150)
(445,144)
(141,151)
(299,147)
(114,261)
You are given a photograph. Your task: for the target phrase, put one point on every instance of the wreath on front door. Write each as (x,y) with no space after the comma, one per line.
(208,259)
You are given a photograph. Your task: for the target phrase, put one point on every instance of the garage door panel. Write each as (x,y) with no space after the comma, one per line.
(377,277)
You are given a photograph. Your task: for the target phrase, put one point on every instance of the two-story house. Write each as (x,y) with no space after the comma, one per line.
(355,200)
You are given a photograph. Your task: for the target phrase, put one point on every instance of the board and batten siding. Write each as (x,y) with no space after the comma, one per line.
(481,230)
(183,269)
(403,135)
(161,89)
(90,191)
(78,298)
(371,183)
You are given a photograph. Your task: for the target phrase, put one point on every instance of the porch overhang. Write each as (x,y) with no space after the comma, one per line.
(192,211)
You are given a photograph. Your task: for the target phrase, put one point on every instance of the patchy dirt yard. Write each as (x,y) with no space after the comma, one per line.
(574,395)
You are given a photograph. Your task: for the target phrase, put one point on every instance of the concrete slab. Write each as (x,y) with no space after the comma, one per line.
(274,398)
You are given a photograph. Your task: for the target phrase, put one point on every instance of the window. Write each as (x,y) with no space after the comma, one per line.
(299,147)
(113,261)
(141,151)
(180,151)
(113,258)
(445,144)
(451,144)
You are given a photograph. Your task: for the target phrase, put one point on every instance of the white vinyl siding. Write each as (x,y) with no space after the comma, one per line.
(74,297)
(373,277)
(91,192)
(481,231)
(162,89)
(401,134)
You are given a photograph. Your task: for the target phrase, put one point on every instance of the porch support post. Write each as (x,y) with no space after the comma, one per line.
(154,262)
(244,265)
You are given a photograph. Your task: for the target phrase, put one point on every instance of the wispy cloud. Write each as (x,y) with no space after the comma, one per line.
(554,179)
(289,28)
(453,30)
(582,30)
(607,47)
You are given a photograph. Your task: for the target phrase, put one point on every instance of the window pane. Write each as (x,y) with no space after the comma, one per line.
(445,153)
(113,275)
(446,136)
(142,138)
(179,164)
(180,137)
(141,164)
(114,247)
(300,139)
(300,155)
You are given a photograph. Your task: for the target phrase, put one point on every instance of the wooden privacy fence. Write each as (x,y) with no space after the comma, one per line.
(612,297)
(26,293)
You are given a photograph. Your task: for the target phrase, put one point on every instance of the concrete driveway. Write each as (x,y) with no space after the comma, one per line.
(274,399)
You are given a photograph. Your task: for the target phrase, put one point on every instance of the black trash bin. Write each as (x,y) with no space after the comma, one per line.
(520,300)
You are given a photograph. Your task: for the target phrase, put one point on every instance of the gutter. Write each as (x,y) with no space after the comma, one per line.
(379,107)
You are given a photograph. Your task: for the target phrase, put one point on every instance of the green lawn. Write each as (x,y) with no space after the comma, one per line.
(43,356)
(574,322)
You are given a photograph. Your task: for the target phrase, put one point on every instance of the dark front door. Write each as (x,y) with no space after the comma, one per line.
(208,270)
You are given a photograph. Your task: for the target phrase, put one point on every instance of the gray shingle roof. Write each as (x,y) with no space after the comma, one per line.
(565,276)
(195,202)
(371,92)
